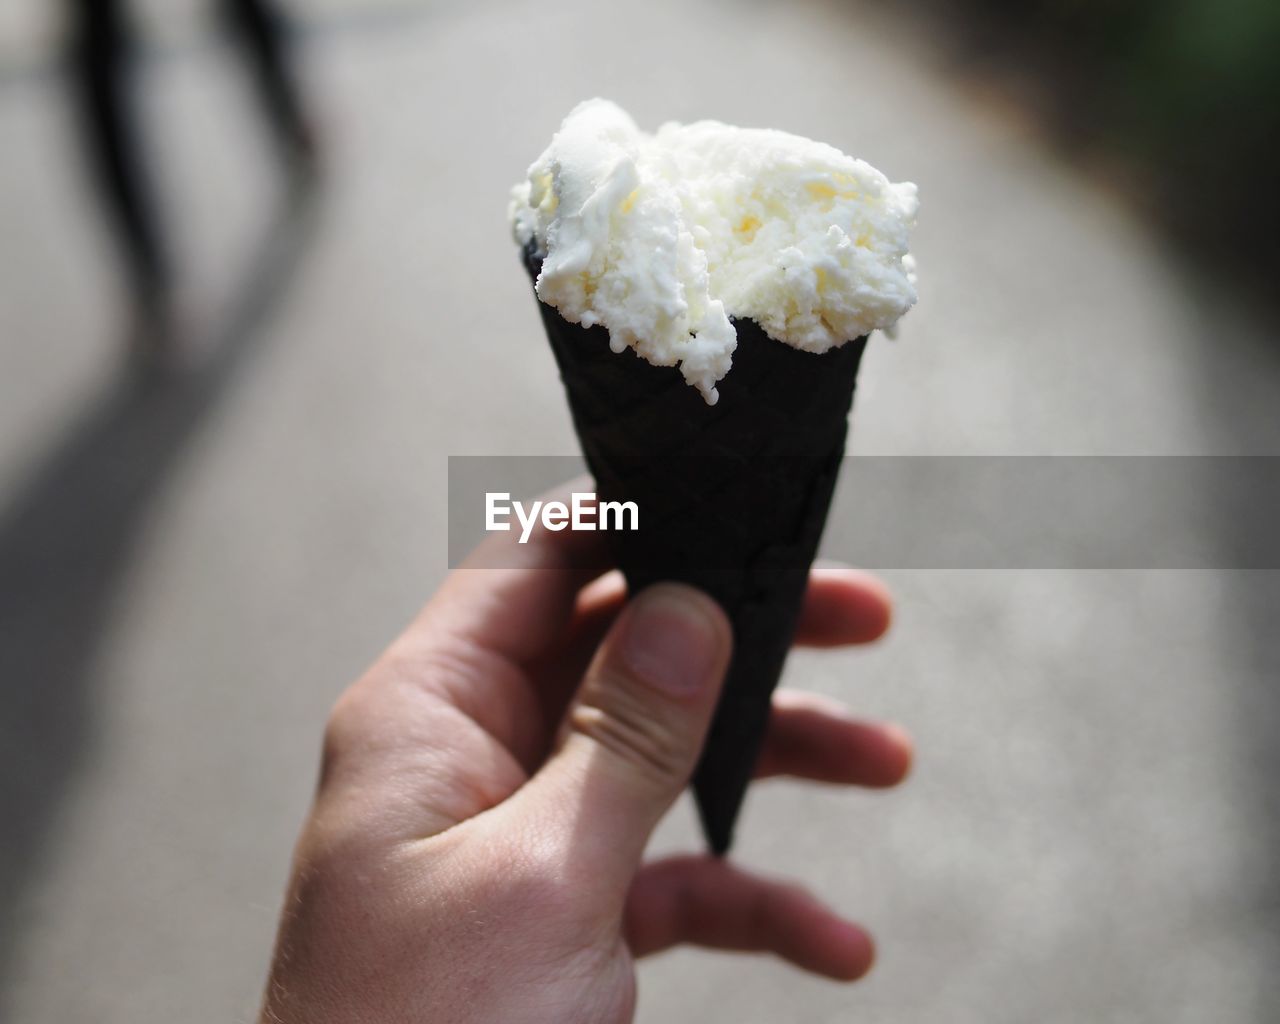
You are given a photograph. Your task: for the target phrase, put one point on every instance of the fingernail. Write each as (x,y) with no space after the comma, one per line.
(670,641)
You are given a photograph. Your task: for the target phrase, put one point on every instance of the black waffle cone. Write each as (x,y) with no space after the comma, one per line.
(732,498)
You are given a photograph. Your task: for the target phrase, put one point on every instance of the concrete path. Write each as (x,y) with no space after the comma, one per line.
(187,582)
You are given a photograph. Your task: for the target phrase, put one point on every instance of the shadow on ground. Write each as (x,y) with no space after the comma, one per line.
(66,543)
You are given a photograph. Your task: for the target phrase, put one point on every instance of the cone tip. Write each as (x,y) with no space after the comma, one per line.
(717,815)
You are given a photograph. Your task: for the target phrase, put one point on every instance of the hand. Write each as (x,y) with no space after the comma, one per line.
(488,788)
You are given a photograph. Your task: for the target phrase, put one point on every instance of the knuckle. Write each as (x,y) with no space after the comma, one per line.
(343,728)
(615,717)
(359,721)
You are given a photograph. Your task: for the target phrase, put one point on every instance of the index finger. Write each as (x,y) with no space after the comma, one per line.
(515,597)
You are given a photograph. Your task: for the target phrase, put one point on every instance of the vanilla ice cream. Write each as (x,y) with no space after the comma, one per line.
(666,238)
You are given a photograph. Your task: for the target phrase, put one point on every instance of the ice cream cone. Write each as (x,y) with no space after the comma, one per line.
(733,498)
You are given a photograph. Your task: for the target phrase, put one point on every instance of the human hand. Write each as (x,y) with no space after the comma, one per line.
(489,785)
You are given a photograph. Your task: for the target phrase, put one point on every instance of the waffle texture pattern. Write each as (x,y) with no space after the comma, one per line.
(732,499)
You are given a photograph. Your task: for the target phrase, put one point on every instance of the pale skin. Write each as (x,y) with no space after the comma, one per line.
(475,850)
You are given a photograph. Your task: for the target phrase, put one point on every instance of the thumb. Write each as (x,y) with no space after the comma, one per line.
(635,729)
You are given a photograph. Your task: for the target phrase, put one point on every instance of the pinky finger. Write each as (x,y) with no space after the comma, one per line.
(708,902)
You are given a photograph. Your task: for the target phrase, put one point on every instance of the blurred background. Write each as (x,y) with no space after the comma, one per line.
(217,504)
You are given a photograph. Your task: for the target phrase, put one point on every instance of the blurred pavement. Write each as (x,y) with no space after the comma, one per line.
(187,582)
